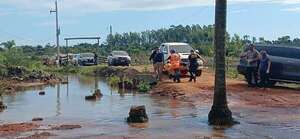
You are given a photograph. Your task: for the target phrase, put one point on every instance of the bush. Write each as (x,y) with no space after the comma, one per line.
(143,87)
(113,80)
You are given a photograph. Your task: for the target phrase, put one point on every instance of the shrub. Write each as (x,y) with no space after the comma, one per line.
(143,87)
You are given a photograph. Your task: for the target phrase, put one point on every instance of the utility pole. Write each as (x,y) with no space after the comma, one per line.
(110,30)
(57,31)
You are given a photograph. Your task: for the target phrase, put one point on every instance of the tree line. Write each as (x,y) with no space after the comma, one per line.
(140,43)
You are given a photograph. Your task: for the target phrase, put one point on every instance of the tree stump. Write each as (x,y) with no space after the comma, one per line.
(137,114)
(41,93)
(2,106)
(37,119)
(97,95)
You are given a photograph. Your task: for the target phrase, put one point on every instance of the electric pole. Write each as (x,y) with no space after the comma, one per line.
(57,31)
(110,30)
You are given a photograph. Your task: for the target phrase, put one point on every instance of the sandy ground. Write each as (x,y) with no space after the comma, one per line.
(237,91)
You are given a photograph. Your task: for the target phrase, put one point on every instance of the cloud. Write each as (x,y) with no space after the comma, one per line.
(295,9)
(84,6)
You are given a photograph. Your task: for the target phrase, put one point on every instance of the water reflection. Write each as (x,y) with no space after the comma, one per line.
(58,107)
(65,103)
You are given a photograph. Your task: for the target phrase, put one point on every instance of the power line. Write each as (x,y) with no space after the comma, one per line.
(197,12)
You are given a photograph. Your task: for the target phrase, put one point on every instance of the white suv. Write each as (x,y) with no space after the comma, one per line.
(184,50)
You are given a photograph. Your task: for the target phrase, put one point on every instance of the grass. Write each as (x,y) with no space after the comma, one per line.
(86,70)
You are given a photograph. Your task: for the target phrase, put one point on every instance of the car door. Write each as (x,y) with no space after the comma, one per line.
(165,50)
(292,64)
(109,58)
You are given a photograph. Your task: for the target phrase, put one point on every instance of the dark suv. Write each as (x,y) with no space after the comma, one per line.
(285,63)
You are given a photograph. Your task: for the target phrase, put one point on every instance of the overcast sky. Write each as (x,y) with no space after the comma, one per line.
(29,21)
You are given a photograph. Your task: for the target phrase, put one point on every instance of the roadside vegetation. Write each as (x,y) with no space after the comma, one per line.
(137,44)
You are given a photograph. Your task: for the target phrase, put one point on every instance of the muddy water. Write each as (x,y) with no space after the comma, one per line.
(65,104)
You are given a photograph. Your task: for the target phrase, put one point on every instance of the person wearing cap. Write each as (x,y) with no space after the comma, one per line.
(157,57)
(252,57)
(264,69)
(174,60)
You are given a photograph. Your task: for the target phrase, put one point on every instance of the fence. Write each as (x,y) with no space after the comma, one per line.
(231,62)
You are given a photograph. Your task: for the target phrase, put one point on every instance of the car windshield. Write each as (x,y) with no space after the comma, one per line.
(87,55)
(181,48)
(120,53)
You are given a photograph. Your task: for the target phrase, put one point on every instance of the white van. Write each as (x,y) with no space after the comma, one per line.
(184,50)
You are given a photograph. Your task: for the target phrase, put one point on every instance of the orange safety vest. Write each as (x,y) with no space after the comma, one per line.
(175,61)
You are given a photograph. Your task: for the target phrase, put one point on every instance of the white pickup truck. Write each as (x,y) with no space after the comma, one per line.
(183,49)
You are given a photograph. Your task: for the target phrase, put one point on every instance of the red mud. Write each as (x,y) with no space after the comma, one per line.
(237,91)
(8,129)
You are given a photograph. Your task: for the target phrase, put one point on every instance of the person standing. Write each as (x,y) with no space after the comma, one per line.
(252,57)
(264,69)
(174,59)
(193,64)
(157,58)
(95,58)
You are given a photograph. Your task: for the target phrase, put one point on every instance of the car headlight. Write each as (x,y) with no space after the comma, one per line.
(200,62)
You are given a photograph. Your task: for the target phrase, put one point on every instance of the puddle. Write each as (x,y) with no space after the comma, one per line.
(65,104)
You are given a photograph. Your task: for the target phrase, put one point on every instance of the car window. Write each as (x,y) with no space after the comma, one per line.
(165,49)
(288,52)
(120,53)
(181,48)
(87,55)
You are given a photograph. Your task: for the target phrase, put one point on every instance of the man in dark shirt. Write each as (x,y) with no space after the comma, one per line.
(193,64)
(157,58)
(264,69)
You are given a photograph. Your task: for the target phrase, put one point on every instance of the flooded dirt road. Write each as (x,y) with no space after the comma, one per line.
(184,118)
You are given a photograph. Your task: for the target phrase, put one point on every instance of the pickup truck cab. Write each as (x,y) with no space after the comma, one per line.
(183,49)
(285,63)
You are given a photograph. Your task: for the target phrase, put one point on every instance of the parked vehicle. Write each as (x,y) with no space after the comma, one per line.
(285,63)
(119,58)
(183,49)
(86,59)
(74,59)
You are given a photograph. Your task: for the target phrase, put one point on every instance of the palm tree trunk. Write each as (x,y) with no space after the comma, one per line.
(220,113)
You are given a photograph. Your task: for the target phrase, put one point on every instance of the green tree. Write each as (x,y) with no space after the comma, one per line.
(9,44)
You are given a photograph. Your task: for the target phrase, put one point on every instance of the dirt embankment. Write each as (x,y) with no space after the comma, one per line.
(9,129)
(40,131)
(108,71)
(238,92)
(18,78)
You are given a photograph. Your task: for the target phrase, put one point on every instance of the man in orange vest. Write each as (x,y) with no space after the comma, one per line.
(174,59)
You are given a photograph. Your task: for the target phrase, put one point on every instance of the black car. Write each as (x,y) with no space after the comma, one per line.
(285,63)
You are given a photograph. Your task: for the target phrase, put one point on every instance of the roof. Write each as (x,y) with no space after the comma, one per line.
(277,46)
(175,43)
(83,38)
(119,51)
